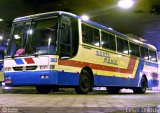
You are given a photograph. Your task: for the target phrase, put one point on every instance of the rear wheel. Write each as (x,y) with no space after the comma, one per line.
(142,88)
(43,89)
(113,90)
(85,83)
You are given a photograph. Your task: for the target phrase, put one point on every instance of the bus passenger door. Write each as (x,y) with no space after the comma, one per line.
(65,43)
(67,49)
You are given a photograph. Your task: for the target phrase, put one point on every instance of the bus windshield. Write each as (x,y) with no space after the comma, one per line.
(38,38)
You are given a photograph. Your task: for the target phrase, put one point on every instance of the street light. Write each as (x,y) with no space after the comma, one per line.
(125,4)
(1,19)
(1,37)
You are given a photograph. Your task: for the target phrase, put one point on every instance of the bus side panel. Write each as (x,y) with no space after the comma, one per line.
(68,78)
(115,81)
(101,80)
(151,72)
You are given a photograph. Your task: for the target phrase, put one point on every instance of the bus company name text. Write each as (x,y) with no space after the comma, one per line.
(110,61)
(53,60)
(107,58)
(102,54)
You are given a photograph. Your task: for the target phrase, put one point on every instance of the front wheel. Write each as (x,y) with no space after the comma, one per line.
(43,89)
(85,83)
(142,88)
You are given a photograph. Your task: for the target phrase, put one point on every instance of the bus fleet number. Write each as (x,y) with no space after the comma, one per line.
(53,59)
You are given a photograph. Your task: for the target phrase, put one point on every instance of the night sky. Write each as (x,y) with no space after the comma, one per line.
(143,19)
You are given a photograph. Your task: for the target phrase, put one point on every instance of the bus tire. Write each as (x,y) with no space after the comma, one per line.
(142,88)
(43,89)
(85,83)
(113,90)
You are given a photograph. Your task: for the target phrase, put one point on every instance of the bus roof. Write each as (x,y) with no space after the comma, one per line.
(49,14)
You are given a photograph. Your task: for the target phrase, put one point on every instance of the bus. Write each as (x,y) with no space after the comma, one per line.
(59,49)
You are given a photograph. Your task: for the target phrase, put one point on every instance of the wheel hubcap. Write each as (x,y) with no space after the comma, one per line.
(85,82)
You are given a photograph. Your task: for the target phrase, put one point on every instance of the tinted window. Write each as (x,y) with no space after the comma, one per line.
(152,56)
(144,53)
(108,41)
(75,36)
(134,50)
(19,37)
(90,35)
(122,46)
(43,37)
(69,37)
(65,41)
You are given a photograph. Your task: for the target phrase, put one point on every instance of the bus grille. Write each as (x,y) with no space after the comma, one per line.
(18,68)
(31,67)
(21,68)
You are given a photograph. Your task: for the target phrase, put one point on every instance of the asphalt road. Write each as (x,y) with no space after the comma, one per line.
(67,101)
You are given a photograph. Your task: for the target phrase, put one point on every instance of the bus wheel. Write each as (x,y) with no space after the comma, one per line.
(113,90)
(85,83)
(43,89)
(142,88)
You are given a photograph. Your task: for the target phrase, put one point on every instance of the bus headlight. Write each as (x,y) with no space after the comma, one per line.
(7,78)
(3,84)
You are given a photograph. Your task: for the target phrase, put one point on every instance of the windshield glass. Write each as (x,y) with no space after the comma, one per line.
(43,37)
(19,37)
(39,39)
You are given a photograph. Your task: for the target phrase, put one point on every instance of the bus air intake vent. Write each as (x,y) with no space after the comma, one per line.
(18,68)
(31,67)
(24,68)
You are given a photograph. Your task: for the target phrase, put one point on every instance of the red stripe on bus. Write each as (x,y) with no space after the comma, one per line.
(81,64)
(29,60)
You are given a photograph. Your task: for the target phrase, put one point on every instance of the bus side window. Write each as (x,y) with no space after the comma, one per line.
(90,35)
(152,56)
(96,37)
(134,50)
(144,53)
(122,46)
(108,41)
(84,37)
(87,34)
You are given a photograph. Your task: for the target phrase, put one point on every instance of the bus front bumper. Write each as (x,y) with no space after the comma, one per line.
(31,78)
